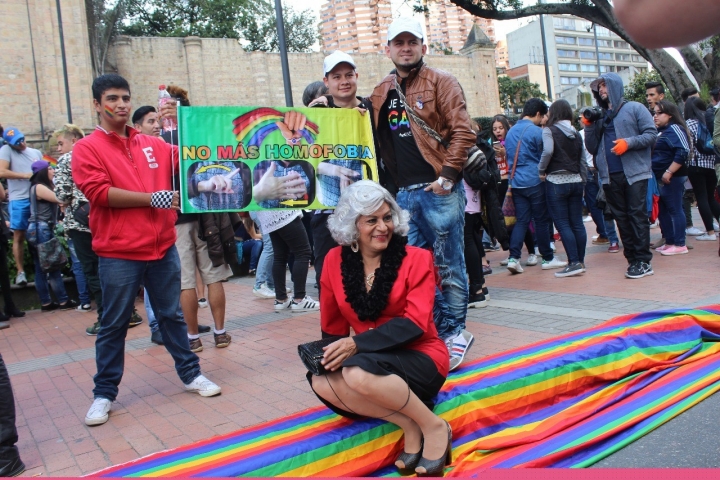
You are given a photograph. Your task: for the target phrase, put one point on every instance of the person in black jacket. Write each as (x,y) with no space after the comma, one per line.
(10,463)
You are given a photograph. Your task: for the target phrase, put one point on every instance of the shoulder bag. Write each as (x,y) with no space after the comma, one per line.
(476,158)
(508,206)
(51,254)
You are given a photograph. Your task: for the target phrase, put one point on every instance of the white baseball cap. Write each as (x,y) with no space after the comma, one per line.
(336,58)
(402,25)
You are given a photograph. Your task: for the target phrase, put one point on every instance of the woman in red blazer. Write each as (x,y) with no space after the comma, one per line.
(395,364)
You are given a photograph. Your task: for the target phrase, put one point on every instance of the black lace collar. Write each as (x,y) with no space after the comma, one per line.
(369,305)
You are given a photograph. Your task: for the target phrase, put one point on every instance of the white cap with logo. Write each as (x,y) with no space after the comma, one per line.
(402,25)
(335,59)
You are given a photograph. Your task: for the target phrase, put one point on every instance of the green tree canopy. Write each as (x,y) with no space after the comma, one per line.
(514,93)
(635,90)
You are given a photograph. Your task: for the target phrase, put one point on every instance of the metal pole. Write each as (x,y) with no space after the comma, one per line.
(37,85)
(64,62)
(283,53)
(545,57)
(597,51)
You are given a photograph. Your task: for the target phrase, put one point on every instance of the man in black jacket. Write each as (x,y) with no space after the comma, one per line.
(10,463)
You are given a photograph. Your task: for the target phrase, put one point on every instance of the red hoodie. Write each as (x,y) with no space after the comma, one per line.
(139,163)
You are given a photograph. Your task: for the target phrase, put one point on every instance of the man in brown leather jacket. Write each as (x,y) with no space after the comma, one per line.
(427,173)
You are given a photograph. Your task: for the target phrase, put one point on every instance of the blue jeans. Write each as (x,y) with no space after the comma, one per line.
(120,280)
(253,250)
(152,319)
(80,281)
(264,266)
(565,204)
(672,217)
(437,222)
(54,280)
(605,228)
(531,204)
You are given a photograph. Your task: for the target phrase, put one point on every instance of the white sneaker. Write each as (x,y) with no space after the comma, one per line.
(514,266)
(532,260)
(458,347)
(554,263)
(21,279)
(203,386)
(307,304)
(264,292)
(280,306)
(655,224)
(99,412)
(84,308)
(694,231)
(587,219)
(552,246)
(203,303)
(504,262)
(706,238)
(716,226)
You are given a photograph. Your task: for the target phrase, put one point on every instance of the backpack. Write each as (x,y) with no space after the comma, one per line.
(704,140)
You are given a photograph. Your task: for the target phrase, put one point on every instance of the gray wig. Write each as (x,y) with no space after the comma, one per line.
(363,198)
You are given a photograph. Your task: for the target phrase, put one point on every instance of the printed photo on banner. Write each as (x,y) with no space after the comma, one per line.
(258,158)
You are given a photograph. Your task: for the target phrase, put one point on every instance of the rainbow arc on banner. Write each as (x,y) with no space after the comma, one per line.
(564,402)
(252,127)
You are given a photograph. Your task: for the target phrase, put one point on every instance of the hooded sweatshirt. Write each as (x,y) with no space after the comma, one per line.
(632,122)
(562,176)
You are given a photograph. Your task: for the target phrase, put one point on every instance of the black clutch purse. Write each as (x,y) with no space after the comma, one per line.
(312,352)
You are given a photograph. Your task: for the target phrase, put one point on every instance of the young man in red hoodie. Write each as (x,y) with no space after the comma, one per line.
(127,177)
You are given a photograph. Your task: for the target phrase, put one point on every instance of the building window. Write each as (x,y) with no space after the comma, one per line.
(588,68)
(603,32)
(570,80)
(622,57)
(622,69)
(621,44)
(590,55)
(605,69)
(587,42)
(567,53)
(565,40)
(606,56)
(568,67)
(637,58)
(604,43)
(564,23)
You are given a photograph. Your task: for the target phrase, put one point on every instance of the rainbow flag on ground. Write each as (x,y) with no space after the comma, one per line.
(565,402)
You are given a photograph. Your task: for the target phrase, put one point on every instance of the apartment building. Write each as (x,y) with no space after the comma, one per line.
(448,26)
(355,26)
(573,54)
(501,55)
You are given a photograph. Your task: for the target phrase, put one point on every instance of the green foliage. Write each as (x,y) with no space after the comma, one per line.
(28,262)
(486,122)
(635,90)
(249,20)
(514,93)
(438,47)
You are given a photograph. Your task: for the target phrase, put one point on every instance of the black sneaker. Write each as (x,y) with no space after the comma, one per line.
(69,305)
(92,331)
(477,300)
(486,293)
(135,319)
(571,270)
(639,270)
(49,307)
(204,328)
(156,338)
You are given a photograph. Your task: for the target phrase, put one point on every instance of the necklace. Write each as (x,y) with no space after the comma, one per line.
(370,279)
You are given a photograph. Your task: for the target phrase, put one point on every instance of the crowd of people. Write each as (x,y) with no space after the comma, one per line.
(398,261)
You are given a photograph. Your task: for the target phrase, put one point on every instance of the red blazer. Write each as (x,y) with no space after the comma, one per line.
(412,297)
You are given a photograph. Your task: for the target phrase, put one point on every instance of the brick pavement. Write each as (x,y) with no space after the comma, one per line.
(51,360)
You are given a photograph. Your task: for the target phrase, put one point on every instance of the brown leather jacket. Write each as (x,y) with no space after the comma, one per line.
(444,110)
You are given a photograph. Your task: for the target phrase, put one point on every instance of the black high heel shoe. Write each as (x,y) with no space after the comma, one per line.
(436,468)
(410,460)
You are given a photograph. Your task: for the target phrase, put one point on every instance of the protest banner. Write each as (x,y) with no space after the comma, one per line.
(259,158)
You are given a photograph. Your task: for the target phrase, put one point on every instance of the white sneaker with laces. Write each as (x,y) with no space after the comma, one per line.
(694,231)
(458,347)
(264,291)
(706,238)
(203,386)
(554,263)
(552,246)
(307,304)
(21,279)
(514,266)
(84,308)
(284,305)
(504,262)
(203,303)
(587,219)
(532,260)
(99,412)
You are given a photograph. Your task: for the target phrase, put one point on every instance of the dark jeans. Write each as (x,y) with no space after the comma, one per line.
(565,205)
(672,216)
(8,431)
(474,251)
(41,232)
(290,238)
(322,242)
(121,280)
(530,203)
(704,181)
(4,276)
(628,204)
(89,262)
(687,201)
(252,250)
(529,239)
(604,228)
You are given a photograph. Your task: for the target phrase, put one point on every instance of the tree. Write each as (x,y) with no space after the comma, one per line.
(635,90)
(514,93)
(260,30)
(599,12)
(103,20)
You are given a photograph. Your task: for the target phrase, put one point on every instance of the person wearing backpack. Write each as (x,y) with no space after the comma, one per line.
(700,167)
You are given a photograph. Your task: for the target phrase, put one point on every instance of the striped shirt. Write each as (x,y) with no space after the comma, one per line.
(699,159)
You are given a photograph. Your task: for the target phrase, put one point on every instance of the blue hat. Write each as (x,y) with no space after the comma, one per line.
(13,135)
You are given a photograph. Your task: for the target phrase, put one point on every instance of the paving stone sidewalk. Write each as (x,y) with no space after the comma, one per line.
(51,359)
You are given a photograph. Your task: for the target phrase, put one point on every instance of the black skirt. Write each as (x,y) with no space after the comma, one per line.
(415,368)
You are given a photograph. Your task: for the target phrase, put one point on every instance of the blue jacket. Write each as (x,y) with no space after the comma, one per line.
(671,146)
(633,124)
(531,148)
